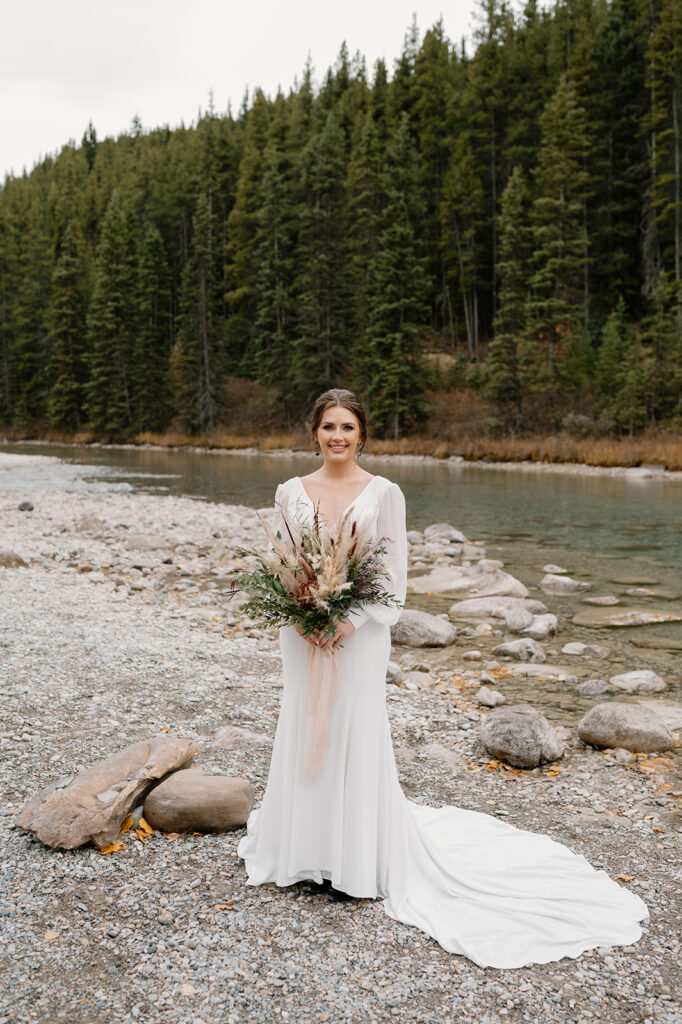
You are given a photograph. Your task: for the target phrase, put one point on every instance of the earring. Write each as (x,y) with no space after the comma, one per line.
(316,447)
(359,448)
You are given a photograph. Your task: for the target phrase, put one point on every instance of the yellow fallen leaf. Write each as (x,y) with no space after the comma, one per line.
(626,878)
(127,825)
(146,827)
(224,906)
(51,935)
(112,848)
(659,830)
(171,835)
(165,729)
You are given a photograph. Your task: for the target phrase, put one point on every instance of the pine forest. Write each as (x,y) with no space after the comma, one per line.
(492,227)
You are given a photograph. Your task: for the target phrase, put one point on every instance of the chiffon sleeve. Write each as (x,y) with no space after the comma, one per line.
(392,528)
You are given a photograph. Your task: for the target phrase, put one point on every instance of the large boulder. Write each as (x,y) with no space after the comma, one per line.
(524,649)
(520,735)
(632,726)
(467,581)
(93,804)
(493,607)
(191,801)
(517,619)
(419,629)
(640,681)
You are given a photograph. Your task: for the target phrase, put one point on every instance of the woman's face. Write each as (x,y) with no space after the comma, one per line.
(338,434)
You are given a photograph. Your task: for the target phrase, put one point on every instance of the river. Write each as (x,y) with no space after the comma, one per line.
(613,532)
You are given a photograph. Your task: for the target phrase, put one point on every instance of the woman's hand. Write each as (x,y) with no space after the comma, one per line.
(344,628)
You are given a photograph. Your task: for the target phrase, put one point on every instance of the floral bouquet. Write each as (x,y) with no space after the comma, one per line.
(311,577)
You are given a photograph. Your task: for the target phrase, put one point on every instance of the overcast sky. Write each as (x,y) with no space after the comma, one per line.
(66,62)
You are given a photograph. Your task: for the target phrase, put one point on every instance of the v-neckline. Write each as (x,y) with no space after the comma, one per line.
(350,503)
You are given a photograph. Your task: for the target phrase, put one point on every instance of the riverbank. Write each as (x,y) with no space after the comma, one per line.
(656,451)
(118,627)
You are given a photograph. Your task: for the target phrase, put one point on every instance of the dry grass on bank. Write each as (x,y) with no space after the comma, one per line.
(664,449)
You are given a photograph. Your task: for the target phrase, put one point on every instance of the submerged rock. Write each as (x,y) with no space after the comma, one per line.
(520,735)
(93,804)
(493,607)
(598,618)
(562,584)
(602,602)
(420,629)
(632,726)
(524,649)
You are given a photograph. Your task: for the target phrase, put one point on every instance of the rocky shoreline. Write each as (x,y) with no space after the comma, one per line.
(118,627)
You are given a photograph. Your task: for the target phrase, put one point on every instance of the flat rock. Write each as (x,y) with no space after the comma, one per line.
(657,643)
(462,581)
(635,581)
(557,672)
(10,560)
(598,618)
(632,726)
(521,736)
(554,584)
(662,595)
(606,601)
(93,804)
(555,570)
(493,607)
(489,698)
(191,801)
(420,629)
(524,649)
(640,681)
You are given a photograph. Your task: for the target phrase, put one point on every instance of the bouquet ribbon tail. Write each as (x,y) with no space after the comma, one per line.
(322,685)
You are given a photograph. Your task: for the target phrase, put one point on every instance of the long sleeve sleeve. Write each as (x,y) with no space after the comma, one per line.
(277,520)
(391,526)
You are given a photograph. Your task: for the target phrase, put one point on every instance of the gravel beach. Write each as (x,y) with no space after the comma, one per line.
(118,627)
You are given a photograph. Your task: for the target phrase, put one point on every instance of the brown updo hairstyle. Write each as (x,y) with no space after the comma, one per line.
(345,400)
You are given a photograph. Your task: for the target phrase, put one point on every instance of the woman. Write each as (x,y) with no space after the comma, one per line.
(502,896)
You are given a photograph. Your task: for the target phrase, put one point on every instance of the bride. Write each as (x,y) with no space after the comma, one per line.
(501,896)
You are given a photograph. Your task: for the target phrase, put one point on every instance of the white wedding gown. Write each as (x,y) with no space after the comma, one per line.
(501,896)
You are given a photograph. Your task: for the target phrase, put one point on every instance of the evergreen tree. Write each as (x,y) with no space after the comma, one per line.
(113,322)
(399,309)
(503,385)
(152,344)
(553,351)
(67,337)
(196,359)
(322,271)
